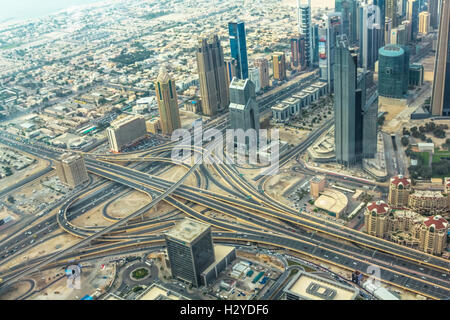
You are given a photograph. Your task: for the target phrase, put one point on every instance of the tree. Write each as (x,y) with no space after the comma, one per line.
(405,141)
(11,199)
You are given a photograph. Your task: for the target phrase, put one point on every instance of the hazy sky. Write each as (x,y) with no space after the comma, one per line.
(24,9)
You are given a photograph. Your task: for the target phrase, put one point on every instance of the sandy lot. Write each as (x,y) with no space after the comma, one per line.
(50,246)
(128,204)
(22,174)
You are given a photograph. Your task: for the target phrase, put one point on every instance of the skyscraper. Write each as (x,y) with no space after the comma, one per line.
(433,6)
(263,65)
(71,170)
(230,69)
(408,31)
(348,9)
(382,5)
(424,22)
(238,48)
(391,11)
(315,44)
(298,60)
(347,105)
(253,75)
(125,131)
(369,39)
(212,75)
(440,100)
(244,112)
(190,250)
(279,66)
(166,96)
(393,71)
(328,31)
(412,15)
(304,24)
(387,31)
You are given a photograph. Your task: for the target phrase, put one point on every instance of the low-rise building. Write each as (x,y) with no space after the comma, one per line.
(333,202)
(153,125)
(308,286)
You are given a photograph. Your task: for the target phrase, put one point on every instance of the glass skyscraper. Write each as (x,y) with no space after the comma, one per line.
(347,105)
(347,8)
(440,105)
(304,23)
(393,71)
(190,249)
(238,48)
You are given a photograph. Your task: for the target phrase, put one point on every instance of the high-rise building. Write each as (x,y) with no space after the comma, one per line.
(369,127)
(125,131)
(304,23)
(263,66)
(279,66)
(393,71)
(315,44)
(370,35)
(424,22)
(433,9)
(348,9)
(399,190)
(253,75)
(298,59)
(212,76)
(238,47)
(387,31)
(428,202)
(432,234)
(391,12)
(230,68)
(399,35)
(190,250)
(381,4)
(376,220)
(416,74)
(166,96)
(440,100)
(244,112)
(347,105)
(328,32)
(408,31)
(401,8)
(71,170)
(412,15)
(317,185)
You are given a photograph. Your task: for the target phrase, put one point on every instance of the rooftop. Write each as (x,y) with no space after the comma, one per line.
(157,292)
(400,180)
(427,194)
(187,230)
(220,252)
(332,201)
(437,222)
(309,286)
(391,50)
(378,207)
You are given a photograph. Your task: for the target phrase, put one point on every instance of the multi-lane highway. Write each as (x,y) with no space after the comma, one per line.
(271,224)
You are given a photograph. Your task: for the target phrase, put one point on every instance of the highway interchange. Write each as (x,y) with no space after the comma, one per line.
(259,218)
